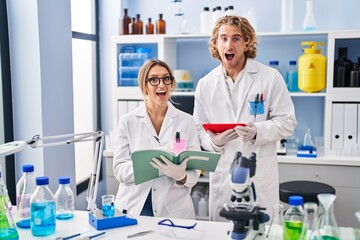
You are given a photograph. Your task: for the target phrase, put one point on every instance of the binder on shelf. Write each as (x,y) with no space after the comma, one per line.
(350,124)
(337,126)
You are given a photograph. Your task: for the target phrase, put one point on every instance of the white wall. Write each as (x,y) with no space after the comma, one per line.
(41,67)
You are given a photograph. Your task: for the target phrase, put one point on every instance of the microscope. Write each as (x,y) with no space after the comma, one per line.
(247,216)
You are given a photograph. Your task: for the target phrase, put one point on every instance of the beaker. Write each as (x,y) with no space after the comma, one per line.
(276,226)
(7,227)
(328,225)
(310,229)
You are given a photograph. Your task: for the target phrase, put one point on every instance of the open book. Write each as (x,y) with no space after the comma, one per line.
(143,171)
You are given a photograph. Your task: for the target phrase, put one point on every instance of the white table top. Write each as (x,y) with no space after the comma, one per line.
(80,224)
(209,230)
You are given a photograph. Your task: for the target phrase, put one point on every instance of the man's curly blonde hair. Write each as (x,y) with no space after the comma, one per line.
(245,28)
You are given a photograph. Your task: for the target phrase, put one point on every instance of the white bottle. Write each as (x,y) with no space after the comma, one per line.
(203,208)
(24,189)
(205,21)
(309,21)
(64,198)
(218,13)
(287,15)
(230,11)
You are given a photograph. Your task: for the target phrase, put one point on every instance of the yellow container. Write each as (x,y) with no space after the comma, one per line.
(312,68)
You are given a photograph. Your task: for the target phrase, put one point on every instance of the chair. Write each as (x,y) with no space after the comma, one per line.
(307,189)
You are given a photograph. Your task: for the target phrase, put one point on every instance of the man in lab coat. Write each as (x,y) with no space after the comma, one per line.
(242,90)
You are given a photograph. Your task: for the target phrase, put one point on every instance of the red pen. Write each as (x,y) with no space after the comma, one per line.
(261,98)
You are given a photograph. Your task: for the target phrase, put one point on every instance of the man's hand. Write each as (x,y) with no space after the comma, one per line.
(246,133)
(220,139)
(170,169)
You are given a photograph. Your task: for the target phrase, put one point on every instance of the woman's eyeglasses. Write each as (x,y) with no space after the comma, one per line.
(154,81)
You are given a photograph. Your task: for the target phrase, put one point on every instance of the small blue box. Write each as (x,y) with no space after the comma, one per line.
(307,151)
(101,222)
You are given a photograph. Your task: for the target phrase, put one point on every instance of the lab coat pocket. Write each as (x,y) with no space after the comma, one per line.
(257,107)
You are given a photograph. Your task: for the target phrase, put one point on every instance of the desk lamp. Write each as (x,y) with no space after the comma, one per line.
(96,218)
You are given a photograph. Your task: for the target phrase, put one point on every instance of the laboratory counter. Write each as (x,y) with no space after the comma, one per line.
(203,230)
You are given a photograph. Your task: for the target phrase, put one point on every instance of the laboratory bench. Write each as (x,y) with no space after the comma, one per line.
(203,229)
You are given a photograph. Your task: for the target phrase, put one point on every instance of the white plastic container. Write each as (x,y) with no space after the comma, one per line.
(203,208)
(205,21)
(287,15)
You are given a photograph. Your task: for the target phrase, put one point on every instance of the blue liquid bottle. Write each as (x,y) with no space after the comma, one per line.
(42,209)
(64,199)
(24,190)
(292,77)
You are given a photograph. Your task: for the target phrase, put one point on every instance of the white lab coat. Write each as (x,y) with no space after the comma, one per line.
(213,105)
(136,132)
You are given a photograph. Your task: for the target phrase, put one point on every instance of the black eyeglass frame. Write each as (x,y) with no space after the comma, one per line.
(166,78)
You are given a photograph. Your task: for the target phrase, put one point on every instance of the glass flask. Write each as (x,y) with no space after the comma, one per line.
(357,214)
(276,226)
(328,226)
(8,230)
(307,138)
(310,229)
(309,21)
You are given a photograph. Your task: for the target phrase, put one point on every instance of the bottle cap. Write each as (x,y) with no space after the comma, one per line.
(40,181)
(274,62)
(296,200)
(292,62)
(64,180)
(206,9)
(28,168)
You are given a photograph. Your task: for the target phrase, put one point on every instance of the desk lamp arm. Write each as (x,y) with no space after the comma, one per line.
(97,137)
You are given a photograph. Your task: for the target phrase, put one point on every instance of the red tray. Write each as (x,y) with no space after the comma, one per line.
(220,127)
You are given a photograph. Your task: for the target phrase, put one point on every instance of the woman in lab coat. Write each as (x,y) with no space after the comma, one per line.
(154,125)
(228,94)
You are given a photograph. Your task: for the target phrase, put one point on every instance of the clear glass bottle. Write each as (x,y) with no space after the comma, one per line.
(64,199)
(124,23)
(310,230)
(291,77)
(293,218)
(328,224)
(139,25)
(149,27)
(42,209)
(309,21)
(7,227)
(24,190)
(160,25)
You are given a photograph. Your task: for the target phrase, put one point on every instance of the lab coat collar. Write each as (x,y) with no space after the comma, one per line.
(170,116)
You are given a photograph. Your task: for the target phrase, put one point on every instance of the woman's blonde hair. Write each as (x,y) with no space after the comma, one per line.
(245,28)
(144,74)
